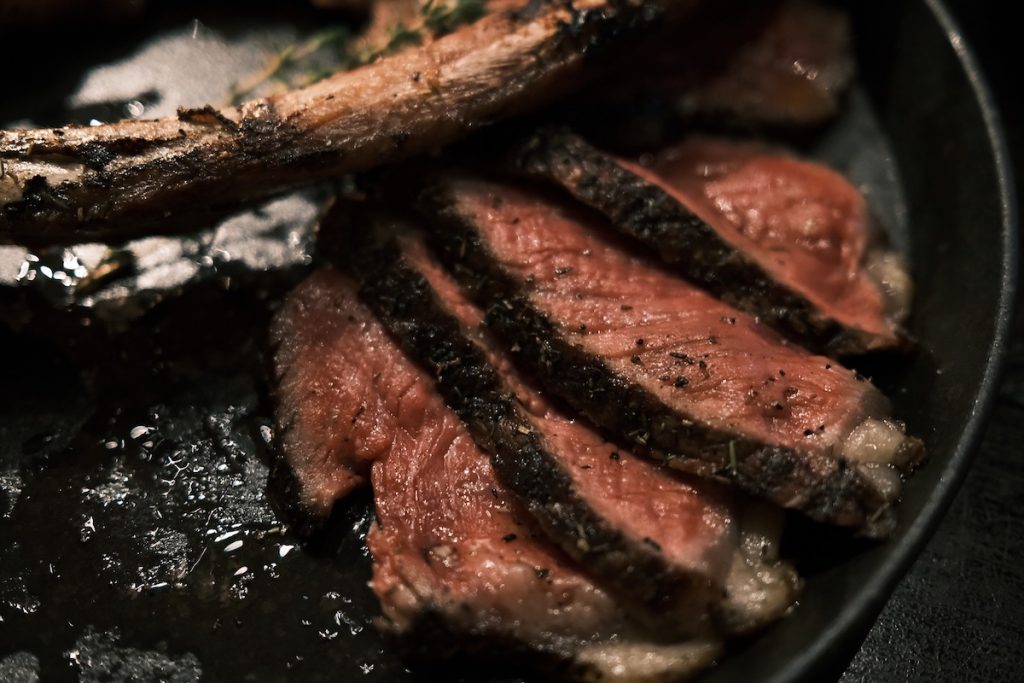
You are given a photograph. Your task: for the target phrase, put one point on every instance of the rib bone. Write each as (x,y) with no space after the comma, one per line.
(122,179)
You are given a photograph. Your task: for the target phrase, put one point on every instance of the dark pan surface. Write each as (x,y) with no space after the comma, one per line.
(137,536)
(946,137)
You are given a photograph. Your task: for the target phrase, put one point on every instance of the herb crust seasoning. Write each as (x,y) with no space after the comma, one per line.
(778,422)
(394,25)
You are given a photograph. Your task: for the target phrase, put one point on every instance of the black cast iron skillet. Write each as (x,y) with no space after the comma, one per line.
(940,120)
(133,460)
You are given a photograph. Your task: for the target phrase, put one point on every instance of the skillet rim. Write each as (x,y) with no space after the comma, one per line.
(847,630)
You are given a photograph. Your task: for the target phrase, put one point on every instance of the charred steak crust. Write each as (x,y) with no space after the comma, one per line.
(637,571)
(653,217)
(826,489)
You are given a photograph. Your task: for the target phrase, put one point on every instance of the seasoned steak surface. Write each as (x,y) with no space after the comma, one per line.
(454,553)
(775,237)
(660,541)
(806,225)
(657,361)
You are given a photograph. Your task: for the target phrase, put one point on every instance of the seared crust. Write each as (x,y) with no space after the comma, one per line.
(647,213)
(670,596)
(827,489)
(82,183)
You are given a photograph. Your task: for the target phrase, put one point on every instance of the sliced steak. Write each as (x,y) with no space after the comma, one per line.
(806,224)
(774,236)
(327,426)
(457,562)
(661,364)
(664,543)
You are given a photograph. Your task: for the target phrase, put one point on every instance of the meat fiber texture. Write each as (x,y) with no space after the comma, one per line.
(775,236)
(454,553)
(665,366)
(664,543)
(807,225)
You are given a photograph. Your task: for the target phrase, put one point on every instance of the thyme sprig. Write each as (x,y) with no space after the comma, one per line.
(336,48)
(443,17)
(295,65)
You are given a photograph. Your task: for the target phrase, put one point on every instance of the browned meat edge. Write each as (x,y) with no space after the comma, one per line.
(109,182)
(406,305)
(647,213)
(834,491)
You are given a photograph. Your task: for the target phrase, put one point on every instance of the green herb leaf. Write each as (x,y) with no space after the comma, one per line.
(442,17)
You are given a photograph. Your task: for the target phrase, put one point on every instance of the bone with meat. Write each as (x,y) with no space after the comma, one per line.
(107,182)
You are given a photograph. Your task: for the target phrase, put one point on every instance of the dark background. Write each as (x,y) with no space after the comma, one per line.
(959,614)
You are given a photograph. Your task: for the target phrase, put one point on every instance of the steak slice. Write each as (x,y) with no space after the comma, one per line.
(458,563)
(329,428)
(664,543)
(664,366)
(807,224)
(774,236)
